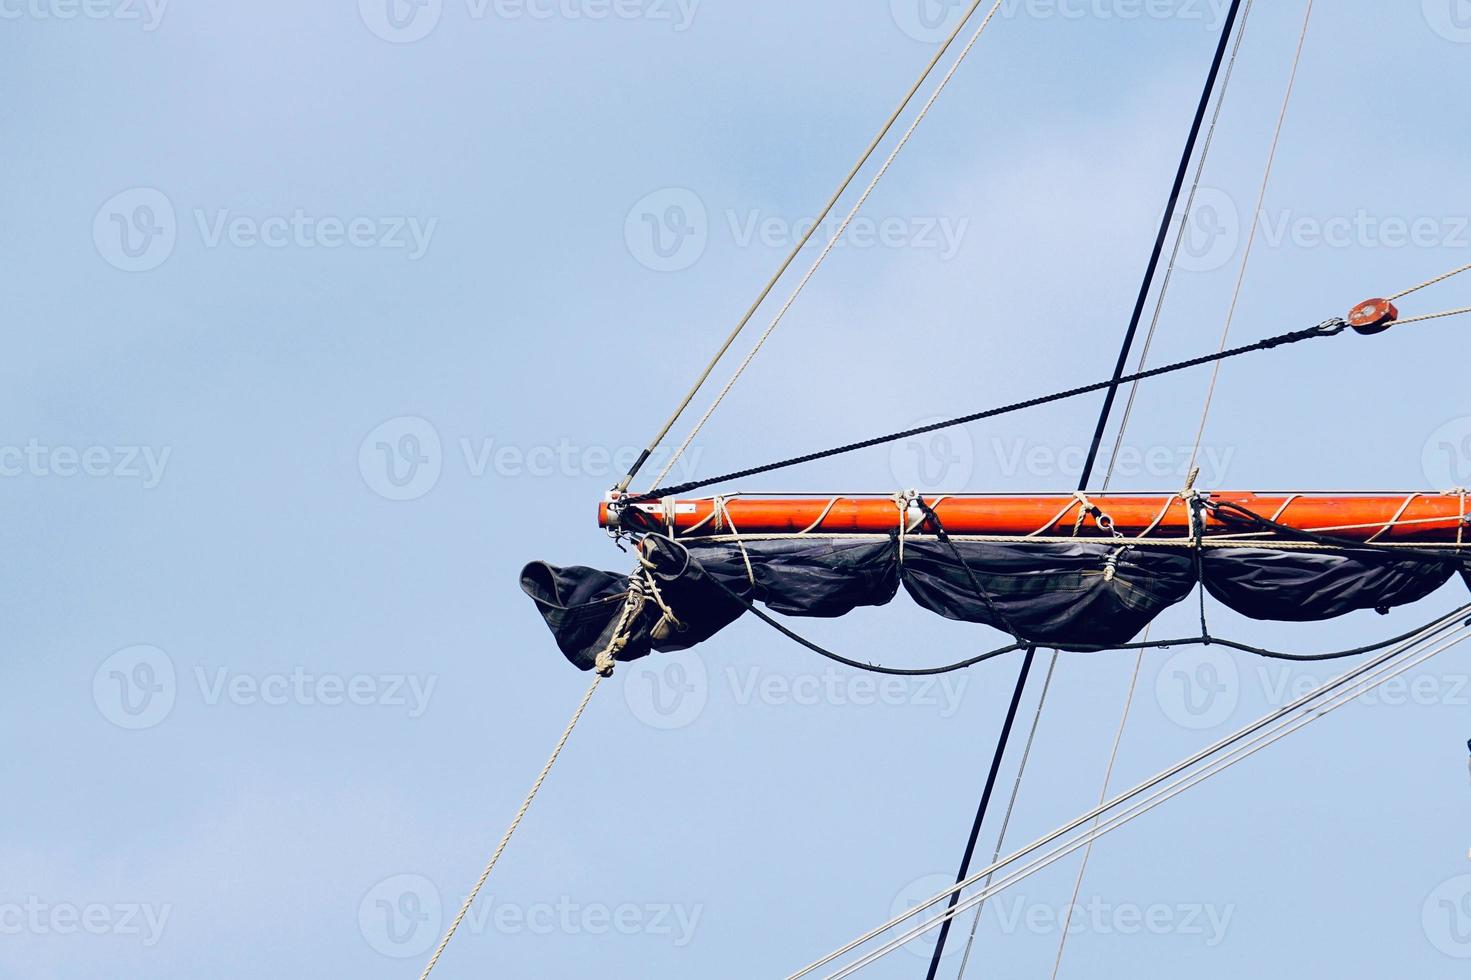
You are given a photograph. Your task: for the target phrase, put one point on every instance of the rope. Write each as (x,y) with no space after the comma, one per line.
(1159,241)
(1164,289)
(798,247)
(1214,769)
(501,847)
(1430,282)
(1113,758)
(1328,328)
(1432,316)
(1355,677)
(832,242)
(1194,457)
(1149,338)
(1202,640)
(1256,219)
(1016,789)
(991,776)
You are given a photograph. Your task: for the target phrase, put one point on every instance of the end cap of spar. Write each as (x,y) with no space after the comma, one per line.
(1373,316)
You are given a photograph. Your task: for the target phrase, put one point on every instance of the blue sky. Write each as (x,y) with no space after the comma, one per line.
(269,702)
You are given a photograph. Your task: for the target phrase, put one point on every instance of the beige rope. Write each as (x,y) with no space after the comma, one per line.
(1256,219)
(1194,457)
(1431,282)
(1432,316)
(828,248)
(1118,740)
(526,805)
(807,237)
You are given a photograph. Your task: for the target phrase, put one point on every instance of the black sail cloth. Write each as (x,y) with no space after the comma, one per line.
(1043,593)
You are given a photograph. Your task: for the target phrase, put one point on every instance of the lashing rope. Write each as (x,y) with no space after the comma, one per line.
(1204,640)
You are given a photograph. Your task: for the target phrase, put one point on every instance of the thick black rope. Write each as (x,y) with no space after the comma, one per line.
(1202,640)
(1112,387)
(1329,328)
(1235,514)
(995,610)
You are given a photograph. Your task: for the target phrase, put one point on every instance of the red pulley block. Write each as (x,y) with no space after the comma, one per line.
(1373,316)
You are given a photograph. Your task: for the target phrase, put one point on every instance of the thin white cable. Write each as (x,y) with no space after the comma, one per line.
(1256,218)
(1440,626)
(801,243)
(1128,413)
(1194,456)
(831,244)
(1220,765)
(1113,758)
(1016,789)
(1169,276)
